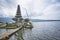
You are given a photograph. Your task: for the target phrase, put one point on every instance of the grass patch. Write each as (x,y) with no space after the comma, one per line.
(8,27)
(11,27)
(29,27)
(2,26)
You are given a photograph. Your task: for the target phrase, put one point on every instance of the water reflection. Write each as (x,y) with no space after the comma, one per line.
(23,34)
(27,34)
(19,34)
(2,31)
(40,31)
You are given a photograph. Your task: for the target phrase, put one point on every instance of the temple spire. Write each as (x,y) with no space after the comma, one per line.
(18,16)
(18,10)
(18,13)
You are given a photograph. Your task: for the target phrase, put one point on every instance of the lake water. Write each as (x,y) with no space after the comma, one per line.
(40,31)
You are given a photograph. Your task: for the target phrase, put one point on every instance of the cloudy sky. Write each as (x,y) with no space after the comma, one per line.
(36,9)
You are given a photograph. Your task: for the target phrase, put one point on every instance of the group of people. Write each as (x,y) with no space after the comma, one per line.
(25,21)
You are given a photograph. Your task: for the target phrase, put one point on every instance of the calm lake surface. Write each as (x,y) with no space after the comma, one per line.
(40,31)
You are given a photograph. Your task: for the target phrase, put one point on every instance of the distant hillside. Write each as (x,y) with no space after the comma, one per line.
(39,20)
(5,20)
(33,20)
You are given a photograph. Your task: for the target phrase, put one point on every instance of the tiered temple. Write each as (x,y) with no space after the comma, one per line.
(18,16)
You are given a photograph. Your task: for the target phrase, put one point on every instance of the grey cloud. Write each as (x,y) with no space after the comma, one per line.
(36,7)
(5,5)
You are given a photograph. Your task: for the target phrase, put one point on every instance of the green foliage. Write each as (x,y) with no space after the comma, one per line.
(2,26)
(9,26)
(29,26)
